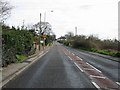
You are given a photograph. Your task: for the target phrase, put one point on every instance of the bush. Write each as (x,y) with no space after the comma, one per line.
(15,42)
(94,44)
(8,56)
(66,43)
(117,54)
(93,49)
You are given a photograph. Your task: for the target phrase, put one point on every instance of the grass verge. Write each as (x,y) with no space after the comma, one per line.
(103,51)
(20,57)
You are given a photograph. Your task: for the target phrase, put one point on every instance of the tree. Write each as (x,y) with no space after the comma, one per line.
(5,10)
(70,34)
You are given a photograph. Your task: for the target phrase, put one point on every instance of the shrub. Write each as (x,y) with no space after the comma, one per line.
(15,42)
(66,43)
(117,54)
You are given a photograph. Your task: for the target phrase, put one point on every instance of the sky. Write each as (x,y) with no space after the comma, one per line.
(91,17)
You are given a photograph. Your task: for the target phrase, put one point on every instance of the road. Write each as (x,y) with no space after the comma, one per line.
(110,68)
(58,69)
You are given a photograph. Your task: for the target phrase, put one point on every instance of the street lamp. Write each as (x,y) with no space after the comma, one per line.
(45,26)
(45,17)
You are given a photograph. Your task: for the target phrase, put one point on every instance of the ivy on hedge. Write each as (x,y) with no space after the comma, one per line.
(15,42)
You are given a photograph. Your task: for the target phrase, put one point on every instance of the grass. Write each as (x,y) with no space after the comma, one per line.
(103,51)
(107,52)
(20,57)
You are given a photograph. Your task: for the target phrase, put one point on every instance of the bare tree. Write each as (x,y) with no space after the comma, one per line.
(70,34)
(5,10)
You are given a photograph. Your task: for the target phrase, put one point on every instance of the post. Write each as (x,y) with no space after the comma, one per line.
(44,27)
(118,26)
(39,31)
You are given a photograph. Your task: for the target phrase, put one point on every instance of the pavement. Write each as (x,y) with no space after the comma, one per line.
(12,70)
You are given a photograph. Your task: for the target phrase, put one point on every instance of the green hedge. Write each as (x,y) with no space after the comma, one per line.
(15,42)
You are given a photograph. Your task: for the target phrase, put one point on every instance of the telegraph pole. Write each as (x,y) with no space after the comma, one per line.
(39,31)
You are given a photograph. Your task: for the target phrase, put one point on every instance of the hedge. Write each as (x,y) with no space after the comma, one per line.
(15,42)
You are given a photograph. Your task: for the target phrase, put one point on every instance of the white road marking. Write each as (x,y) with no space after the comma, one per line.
(73,54)
(118,83)
(46,52)
(88,69)
(78,67)
(70,58)
(79,58)
(96,85)
(66,49)
(93,67)
(97,76)
(65,53)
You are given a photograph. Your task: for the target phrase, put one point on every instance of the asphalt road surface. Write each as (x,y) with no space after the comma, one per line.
(110,68)
(57,70)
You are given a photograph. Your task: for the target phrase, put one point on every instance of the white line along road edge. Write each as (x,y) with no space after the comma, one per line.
(79,58)
(78,67)
(70,58)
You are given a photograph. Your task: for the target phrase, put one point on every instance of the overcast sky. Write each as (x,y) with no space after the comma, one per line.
(98,17)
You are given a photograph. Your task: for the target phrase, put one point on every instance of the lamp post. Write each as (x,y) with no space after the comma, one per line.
(45,25)
(39,31)
(45,17)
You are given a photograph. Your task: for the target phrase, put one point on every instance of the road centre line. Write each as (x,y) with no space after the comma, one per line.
(73,54)
(97,76)
(65,53)
(70,58)
(66,49)
(94,67)
(96,85)
(79,58)
(118,83)
(78,67)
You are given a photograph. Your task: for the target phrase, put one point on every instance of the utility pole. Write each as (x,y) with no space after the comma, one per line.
(39,32)
(75,31)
